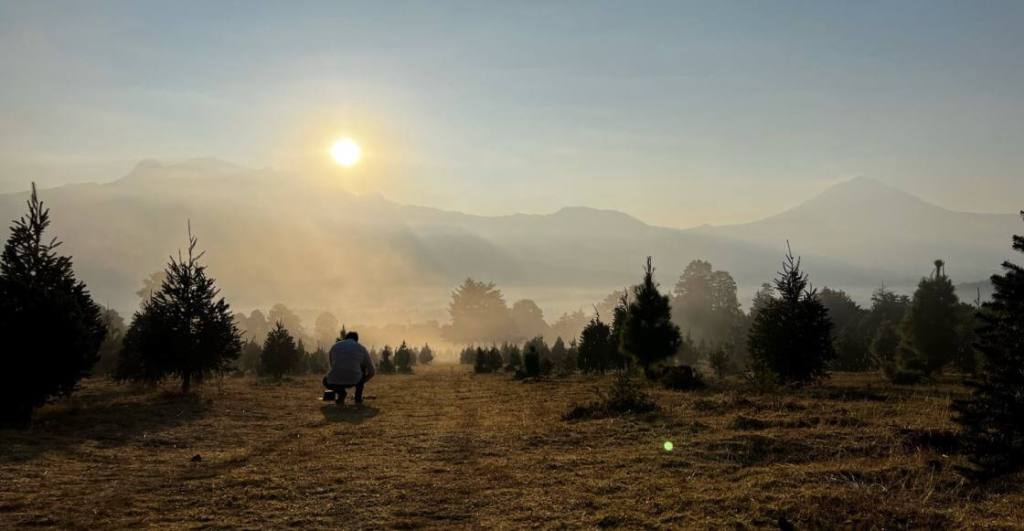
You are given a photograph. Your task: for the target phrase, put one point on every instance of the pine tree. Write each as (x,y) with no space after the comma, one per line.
(51,327)
(280,353)
(531,360)
(992,418)
(930,325)
(649,335)
(300,366)
(595,348)
(249,360)
(183,330)
(617,358)
(885,348)
(403,359)
(513,355)
(791,337)
(481,361)
(426,355)
(317,362)
(386,365)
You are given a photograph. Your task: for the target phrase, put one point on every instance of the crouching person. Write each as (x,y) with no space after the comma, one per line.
(351,366)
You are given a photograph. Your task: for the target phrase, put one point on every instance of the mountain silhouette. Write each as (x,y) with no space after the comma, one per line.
(274,236)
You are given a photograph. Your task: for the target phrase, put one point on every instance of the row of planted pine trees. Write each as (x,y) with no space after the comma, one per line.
(53,330)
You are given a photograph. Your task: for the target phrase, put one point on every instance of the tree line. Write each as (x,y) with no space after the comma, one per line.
(55,334)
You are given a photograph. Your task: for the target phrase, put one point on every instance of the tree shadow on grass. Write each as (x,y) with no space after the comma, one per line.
(109,419)
(349,414)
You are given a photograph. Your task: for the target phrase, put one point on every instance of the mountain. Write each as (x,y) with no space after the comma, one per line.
(870,225)
(274,237)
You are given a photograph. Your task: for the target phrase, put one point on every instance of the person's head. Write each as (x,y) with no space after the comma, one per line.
(354,336)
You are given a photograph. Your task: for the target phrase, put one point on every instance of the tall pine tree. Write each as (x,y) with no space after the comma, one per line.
(649,335)
(791,337)
(993,417)
(184,330)
(51,327)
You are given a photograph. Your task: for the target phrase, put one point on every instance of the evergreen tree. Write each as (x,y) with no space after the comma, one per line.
(51,327)
(426,355)
(249,360)
(301,366)
(317,361)
(885,349)
(617,358)
(649,335)
(595,349)
(111,345)
(791,337)
(992,418)
(280,353)
(929,328)
(387,365)
(494,359)
(850,339)
(183,330)
(531,360)
(558,351)
(513,356)
(403,359)
(481,361)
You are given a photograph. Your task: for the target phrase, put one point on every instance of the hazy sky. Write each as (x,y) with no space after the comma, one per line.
(679,113)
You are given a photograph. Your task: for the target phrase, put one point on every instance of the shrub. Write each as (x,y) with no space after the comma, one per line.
(623,397)
(681,378)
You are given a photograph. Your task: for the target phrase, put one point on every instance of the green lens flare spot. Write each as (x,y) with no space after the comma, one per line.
(668,446)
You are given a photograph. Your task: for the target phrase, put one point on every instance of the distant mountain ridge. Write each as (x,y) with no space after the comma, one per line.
(273,236)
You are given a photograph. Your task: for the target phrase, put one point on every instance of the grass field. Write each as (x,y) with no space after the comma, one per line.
(446,448)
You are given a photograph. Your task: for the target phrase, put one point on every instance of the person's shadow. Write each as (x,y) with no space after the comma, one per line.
(355,414)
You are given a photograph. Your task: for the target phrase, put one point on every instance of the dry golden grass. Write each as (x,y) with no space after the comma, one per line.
(446,448)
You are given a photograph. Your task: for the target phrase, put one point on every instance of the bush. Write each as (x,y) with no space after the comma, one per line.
(720,363)
(681,378)
(623,397)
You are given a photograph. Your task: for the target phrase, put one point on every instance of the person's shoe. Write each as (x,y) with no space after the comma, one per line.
(340,400)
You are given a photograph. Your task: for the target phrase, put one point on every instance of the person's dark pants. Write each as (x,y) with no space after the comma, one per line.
(341,389)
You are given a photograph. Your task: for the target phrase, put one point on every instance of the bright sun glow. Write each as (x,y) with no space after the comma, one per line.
(346,152)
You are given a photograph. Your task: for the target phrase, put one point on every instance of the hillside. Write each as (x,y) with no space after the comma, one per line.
(273,236)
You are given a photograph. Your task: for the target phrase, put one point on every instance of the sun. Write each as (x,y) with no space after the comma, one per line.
(346,152)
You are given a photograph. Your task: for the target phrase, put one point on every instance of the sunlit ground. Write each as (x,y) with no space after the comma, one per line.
(444,448)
